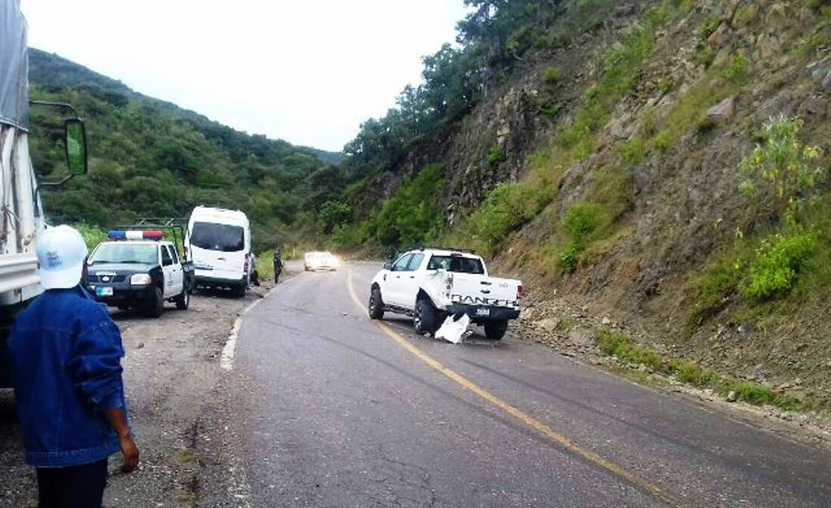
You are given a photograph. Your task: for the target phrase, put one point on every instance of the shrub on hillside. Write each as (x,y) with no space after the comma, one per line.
(333,214)
(552,76)
(580,224)
(506,208)
(496,156)
(781,171)
(412,216)
(777,264)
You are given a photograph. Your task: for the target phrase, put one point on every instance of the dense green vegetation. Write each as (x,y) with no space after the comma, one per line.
(149,158)
(781,181)
(635,355)
(412,216)
(493,41)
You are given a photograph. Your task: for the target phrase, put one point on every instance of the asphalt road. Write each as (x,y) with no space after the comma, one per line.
(325,408)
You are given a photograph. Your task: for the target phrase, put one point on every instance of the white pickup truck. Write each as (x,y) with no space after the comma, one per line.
(431,284)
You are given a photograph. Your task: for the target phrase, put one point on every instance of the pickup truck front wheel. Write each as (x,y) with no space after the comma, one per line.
(425,319)
(183,300)
(156,305)
(496,330)
(376,304)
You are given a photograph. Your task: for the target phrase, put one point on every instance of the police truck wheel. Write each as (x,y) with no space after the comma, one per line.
(156,306)
(425,319)
(376,304)
(496,330)
(183,300)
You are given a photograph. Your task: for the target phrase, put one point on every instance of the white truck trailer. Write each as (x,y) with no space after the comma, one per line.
(21,213)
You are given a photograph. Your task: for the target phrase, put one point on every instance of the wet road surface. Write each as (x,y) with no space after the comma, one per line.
(325,408)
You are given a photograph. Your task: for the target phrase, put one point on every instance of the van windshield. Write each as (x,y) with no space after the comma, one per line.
(220,237)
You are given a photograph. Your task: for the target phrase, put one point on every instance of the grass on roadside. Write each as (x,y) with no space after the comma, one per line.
(627,351)
(265,266)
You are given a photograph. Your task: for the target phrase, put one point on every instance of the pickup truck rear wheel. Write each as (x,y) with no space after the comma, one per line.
(425,319)
(156,305)
(496,330)
(183,300)
(376,304)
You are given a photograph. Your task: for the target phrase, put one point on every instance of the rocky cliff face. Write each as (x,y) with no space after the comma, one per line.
(646,119)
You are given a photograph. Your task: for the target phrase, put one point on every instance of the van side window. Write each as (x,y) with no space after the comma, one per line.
(166,259)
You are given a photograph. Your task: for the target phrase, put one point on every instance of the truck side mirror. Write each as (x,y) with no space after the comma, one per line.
(75,141)
(388,265)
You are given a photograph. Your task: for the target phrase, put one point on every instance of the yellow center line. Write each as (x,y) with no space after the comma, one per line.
(525,418)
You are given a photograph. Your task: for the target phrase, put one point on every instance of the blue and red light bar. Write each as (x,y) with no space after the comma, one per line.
(135,235)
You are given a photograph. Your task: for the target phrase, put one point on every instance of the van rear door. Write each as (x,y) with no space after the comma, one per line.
(218,251)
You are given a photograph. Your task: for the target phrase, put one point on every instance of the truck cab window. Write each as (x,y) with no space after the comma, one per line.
(415,262)
(402,263)
(457,264)
(166,259)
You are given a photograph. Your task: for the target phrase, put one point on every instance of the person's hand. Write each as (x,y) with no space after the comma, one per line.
(130,452)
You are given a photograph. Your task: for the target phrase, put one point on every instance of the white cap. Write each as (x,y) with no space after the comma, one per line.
(61,253)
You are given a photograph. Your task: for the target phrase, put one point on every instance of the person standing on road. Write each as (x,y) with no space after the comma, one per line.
(278,264)
(65,353)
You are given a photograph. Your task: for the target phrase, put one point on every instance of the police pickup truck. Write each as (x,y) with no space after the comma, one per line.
(139,270)
(431,284)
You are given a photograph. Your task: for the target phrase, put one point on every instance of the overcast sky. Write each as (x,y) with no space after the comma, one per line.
(307,71)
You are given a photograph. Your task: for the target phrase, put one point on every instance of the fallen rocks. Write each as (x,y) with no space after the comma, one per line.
(580,337)
(719,36)
(549,324)
(723,111)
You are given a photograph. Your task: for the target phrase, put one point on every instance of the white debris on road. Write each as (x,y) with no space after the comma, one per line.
(454,331)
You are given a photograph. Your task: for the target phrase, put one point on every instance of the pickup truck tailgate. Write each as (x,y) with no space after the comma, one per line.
(480,290)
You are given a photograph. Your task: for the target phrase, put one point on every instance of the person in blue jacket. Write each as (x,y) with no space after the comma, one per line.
(66,354)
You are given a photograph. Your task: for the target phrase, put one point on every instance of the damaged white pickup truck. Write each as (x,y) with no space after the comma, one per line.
(432,284)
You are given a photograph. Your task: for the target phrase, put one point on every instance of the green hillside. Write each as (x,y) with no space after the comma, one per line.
(150,158)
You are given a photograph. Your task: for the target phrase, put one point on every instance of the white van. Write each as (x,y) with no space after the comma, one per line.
(218,241)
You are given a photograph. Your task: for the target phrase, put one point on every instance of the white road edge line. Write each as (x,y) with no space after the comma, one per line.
(226,361)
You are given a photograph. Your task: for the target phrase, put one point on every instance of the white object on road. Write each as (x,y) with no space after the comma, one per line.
(454,331)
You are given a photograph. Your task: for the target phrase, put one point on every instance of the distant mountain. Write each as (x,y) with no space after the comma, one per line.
(152,158)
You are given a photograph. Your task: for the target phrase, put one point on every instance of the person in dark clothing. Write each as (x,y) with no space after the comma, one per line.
(65,354)
(278,264)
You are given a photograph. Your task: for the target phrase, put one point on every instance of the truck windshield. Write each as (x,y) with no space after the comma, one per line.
(221,237)
(124,253)
(457,264)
